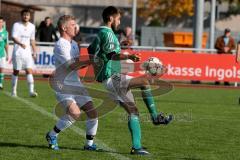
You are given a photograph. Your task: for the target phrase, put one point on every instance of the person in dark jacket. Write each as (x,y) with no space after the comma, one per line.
(225,43)
(46,31)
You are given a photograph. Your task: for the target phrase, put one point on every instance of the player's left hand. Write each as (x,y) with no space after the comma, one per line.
(135,57)
(7,58)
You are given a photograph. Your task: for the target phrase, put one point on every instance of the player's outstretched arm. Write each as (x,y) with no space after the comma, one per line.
(118,57)
(76,64)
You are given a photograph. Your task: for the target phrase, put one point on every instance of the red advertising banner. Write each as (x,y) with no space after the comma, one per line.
(190,66)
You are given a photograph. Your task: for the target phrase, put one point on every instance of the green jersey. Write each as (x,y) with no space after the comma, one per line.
(105,43)
(3,42)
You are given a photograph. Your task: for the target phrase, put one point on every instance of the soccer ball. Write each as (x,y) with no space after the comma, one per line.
(153,66)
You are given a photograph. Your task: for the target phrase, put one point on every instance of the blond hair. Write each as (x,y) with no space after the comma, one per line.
(62,21)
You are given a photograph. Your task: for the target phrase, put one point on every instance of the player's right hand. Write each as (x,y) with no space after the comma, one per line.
(34,56)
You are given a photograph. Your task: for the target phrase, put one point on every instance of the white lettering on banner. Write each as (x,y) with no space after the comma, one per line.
(44,63)
(184,71)
(222,74)
(45,58)
(210,72)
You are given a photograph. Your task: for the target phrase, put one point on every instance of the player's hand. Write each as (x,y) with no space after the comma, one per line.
(7,58)
(134,57)
(164,70)
(23,46)
(34,56)
(126,43)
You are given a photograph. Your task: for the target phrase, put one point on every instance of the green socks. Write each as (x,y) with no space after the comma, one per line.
(148,100)
(1,78)
(134,127)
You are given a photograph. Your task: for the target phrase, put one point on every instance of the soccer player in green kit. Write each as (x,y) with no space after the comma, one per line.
(106,49)
(3,50)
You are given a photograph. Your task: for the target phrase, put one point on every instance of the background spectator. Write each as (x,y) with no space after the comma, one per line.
(225,43)
(3,49)
(46,31)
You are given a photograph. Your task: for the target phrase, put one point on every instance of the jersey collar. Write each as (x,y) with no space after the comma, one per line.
(106,27)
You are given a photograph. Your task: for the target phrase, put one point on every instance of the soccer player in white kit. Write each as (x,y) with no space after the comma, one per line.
(66,50)
(23,35)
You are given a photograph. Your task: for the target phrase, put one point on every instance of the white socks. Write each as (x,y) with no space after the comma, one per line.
(29,80)
(91,130)
(30,83)
(63,123)
(14,84)
(66,121)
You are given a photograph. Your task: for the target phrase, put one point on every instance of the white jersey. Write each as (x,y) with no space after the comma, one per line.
(24,34)
(65,51)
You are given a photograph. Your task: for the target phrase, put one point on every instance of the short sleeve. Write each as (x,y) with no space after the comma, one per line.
(15,30)
(62,52)
(33,33)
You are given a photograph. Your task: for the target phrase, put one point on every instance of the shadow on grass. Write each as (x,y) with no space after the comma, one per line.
(30,146)
(151,156)
(13,145)
(196,102)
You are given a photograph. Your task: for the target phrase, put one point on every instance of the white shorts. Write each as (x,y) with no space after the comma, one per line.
(80,100)
(117,85)
(2,62)
(22,59)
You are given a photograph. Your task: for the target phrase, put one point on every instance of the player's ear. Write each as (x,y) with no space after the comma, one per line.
(64,28)
(111,18)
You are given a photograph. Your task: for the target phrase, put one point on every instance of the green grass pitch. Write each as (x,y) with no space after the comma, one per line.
(206,127)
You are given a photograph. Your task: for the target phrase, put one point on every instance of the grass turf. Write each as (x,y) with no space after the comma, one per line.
(206,127)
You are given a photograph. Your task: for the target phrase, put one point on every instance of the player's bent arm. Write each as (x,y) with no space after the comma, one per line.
(6,50)
(15,40)
(34,47)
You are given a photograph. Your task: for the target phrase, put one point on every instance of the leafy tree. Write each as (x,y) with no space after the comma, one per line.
(159,12)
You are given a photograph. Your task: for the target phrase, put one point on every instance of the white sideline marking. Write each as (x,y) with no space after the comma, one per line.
(77,130)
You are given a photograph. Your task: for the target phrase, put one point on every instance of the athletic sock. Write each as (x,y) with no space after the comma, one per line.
(14,83)
(1,78)
(134,127)
(149,101)
(30,83)
(91,130)
(63,123)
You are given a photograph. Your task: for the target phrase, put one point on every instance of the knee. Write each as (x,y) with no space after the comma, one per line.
(74,111)
(133,110)
(28,71)
(75,114)
(92,114)
(90,110)
(145,84)
(15,72)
